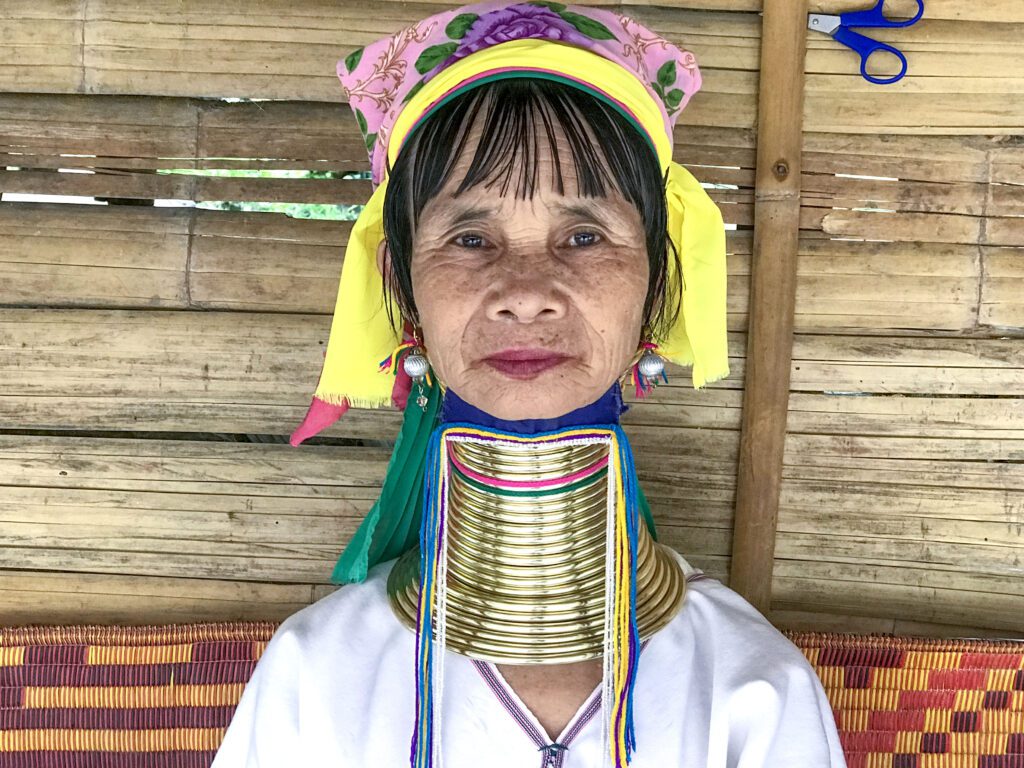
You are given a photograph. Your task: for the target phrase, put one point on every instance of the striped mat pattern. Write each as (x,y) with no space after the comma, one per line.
(122,697)
(904,702)
(154,696)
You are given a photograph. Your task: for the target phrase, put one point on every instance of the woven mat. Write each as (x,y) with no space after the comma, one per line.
(153,696)
(920,703)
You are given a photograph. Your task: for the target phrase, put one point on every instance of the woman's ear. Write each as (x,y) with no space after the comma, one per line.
(383,256)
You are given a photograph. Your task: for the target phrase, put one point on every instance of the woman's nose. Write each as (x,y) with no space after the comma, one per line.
(526,298)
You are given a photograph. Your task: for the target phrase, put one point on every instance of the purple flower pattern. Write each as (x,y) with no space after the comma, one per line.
(517,22)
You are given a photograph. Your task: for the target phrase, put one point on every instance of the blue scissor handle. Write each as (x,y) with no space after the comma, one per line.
(874,17)
(865,46)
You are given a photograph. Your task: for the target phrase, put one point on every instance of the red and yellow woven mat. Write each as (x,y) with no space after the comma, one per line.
(134,697)
(122,697)
(920,703)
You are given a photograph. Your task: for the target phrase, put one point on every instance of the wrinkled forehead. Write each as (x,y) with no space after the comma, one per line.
(505,193)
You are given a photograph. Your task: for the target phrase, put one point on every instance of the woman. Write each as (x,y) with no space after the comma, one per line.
(529,243)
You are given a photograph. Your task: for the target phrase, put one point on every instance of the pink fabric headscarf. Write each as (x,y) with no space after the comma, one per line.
(380,78)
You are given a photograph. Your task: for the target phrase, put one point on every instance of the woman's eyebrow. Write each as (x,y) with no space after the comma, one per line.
(463,215)
(590,211)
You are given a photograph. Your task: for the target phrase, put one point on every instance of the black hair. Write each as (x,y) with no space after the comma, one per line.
(607,149)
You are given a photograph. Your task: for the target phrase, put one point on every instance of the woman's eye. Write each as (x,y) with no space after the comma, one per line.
(579,239)
(470,241)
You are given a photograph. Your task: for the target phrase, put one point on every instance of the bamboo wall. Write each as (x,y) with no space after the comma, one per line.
(154,359)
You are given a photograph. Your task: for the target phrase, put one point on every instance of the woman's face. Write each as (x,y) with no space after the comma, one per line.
(529,308)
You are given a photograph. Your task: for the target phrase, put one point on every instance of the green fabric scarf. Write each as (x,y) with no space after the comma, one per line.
(392,525)
(401,498)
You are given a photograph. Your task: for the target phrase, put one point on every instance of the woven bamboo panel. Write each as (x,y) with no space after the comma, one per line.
(903,482)
(962,276)
(162,523)
(965,77)
(280,50)
(39,597)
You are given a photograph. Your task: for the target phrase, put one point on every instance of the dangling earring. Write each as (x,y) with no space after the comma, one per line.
(647,366)
(414,363)
(651,363)
(417,367)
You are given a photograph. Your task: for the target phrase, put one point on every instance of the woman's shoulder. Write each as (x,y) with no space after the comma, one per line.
(356,616)
(715,616)
(323,661)
(722,647)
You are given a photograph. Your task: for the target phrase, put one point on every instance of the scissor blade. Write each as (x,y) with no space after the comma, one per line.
(823,22)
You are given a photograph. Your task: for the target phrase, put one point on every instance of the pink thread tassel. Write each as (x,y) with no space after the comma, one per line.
(644,385)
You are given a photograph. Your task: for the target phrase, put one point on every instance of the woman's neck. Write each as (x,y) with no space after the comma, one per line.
(607,409)
(526,545)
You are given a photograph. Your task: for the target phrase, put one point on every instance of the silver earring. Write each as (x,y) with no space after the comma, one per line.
(651,365)
(417,367)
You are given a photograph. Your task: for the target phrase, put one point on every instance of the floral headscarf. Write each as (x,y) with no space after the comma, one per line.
(379,79)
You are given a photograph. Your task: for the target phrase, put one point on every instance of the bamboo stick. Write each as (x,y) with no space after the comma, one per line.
(772,299)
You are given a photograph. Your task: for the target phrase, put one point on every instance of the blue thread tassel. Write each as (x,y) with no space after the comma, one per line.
(421,748)
(630,491)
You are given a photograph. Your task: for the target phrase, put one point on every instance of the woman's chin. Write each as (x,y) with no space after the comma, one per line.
(537,398)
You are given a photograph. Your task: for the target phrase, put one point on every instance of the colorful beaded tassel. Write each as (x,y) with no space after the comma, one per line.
(621,637)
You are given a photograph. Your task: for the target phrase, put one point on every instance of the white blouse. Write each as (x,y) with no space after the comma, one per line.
(718,687)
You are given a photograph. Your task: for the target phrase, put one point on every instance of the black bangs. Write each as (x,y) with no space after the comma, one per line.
(519,116)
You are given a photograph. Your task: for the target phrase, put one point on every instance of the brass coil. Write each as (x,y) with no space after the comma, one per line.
(538,462)
(526,575)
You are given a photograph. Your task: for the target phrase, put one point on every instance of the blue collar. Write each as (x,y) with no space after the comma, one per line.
(605,410)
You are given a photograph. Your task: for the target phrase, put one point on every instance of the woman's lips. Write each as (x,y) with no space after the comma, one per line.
(524,363)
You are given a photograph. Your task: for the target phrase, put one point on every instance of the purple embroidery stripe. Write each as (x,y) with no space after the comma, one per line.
(588,714)
(522,718)
(509,703)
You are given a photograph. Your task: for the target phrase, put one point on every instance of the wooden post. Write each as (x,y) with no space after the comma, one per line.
(772,298)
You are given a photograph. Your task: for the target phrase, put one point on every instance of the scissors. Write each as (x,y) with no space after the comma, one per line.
(840,28)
